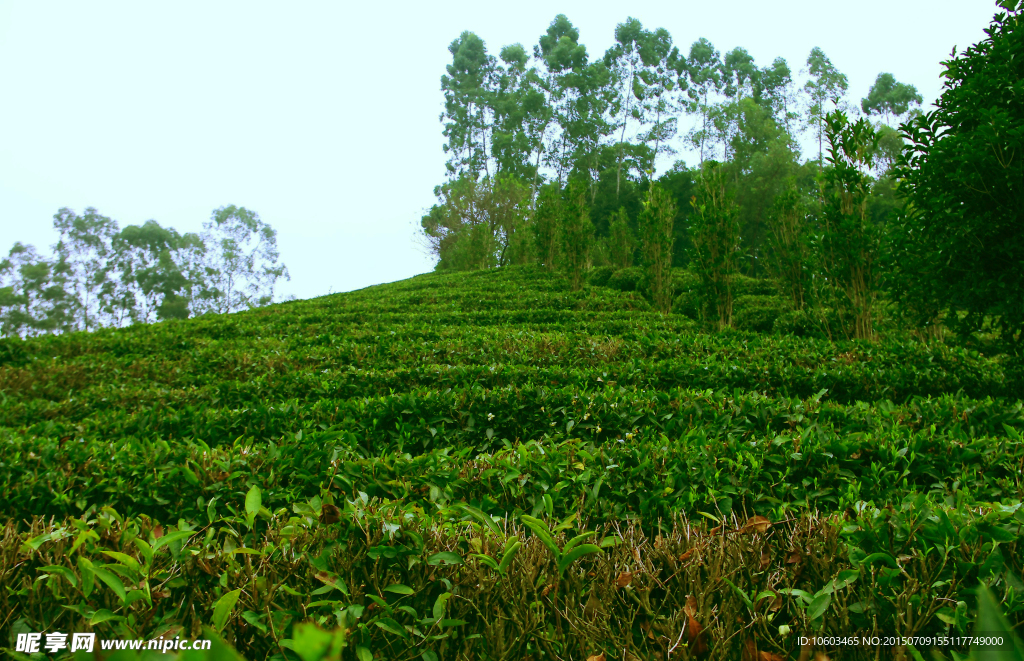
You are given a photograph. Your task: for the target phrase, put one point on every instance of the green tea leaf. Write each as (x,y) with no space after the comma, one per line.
(223,607)
(445,557)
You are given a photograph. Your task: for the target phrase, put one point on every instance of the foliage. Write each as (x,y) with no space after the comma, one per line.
(715,236)
(575,234)
(788,254)
(621,241)
(961,177)
(102,275)
(243,259)
(890,98)
(849,242)
(656,221)
(333,462)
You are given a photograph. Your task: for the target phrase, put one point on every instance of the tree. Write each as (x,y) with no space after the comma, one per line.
(150,283)
(850,242)
(546,225)
(961,175)
(564,59)
(765,158)
(788,258)
(620,239)
(889,98)
(773,89)
(243,257)
(32,300)
(656,223)
(826,86)
(577,233)
(715,234)
(640,77)
(706,73)
(465,101)
(85,247)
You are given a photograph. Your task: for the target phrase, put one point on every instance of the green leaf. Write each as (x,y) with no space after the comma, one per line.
(480,516)
(446,557)
(62,571)
(440,604)
(171,537)
(364,653)
(398,588)
(575,554)
(112,581)
(743,595)
(428,656)
(541,530)
(88,575)
(389,625)
(576,540)
(486,559)
(818,605)
(991,622)
(510,554)
(223,607)
(103,615)
(124,559)
(253,503)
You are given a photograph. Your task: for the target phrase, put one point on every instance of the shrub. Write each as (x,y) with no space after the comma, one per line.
(758,313)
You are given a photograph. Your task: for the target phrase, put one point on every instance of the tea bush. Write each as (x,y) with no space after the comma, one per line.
(491,466)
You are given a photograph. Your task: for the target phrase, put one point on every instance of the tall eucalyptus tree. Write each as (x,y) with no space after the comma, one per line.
(706,74)
(466,102)
(825,88)
(85,248)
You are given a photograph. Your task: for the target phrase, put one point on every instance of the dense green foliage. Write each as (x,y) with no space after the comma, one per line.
(964,178)
(350,460)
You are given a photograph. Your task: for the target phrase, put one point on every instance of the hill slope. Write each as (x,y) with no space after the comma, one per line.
(396,436)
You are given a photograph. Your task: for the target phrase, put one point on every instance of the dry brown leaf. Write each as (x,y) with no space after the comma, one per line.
(749,651)
(766,559)
(716,530)
(325,577)
(636,556)
(770,656)
(161,594)
(691,606)
(158,531)
(686,556)
(546,591)
(821,656)
(596,657)
(793,557)
(624,579)
(329,513)
(695,636)
(756,523)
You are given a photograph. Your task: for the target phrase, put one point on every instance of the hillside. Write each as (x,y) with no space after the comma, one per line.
(373,461)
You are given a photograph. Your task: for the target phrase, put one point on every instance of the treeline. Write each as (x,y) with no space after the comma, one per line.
(101,275)
(551,160)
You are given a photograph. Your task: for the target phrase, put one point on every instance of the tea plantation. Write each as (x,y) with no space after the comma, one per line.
(487,465)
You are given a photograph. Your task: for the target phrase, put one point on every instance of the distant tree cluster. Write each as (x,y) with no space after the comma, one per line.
(101,275)
(551,160)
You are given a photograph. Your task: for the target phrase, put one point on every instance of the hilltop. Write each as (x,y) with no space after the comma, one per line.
(406,434)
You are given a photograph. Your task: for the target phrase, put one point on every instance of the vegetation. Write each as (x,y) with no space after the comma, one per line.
(102,276)
(539,451)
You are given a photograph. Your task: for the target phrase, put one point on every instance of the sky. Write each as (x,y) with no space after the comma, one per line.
(323,117)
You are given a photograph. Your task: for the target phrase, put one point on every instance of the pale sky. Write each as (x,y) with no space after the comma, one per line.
(323,116)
